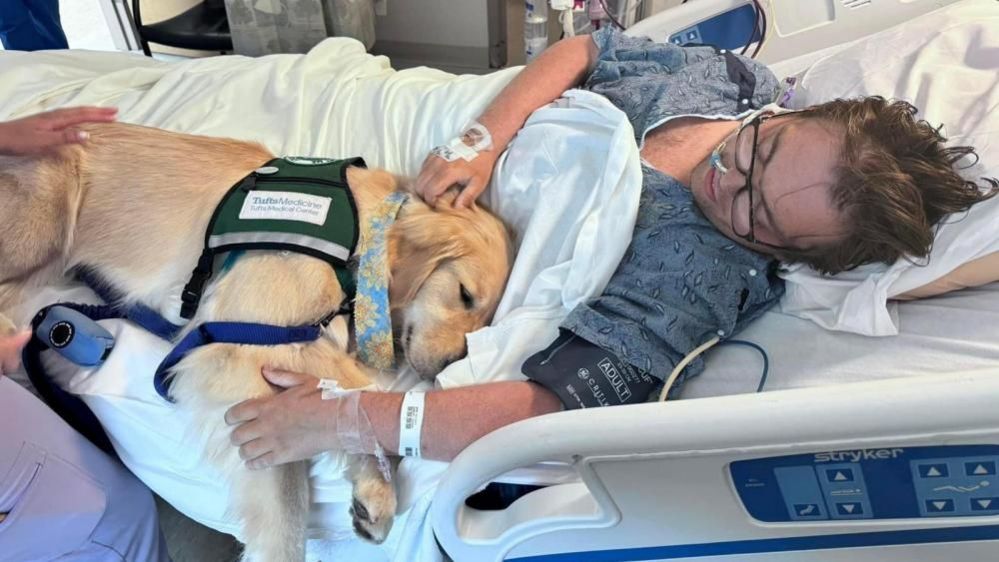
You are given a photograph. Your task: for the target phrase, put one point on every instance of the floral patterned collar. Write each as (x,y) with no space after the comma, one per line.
(372,316)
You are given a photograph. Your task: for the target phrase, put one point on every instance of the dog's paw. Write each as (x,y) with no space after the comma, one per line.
(373,510)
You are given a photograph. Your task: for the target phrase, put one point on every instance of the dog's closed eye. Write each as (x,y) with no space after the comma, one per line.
(466,297)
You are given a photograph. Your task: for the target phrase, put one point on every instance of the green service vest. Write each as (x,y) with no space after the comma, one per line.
(301,205)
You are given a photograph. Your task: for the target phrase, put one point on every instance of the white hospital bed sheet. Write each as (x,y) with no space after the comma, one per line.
(335,101)
(953,333)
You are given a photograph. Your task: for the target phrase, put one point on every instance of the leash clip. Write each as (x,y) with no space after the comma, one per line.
(346,308)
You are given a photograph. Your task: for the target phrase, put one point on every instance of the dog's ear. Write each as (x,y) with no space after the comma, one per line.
(448,198)
(444,200)
(419,242)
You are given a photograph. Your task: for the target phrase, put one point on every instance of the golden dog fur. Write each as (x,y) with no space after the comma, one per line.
(133,204)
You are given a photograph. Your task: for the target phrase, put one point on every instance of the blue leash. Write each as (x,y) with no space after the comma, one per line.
(145,317)
(244,333)
(67,405)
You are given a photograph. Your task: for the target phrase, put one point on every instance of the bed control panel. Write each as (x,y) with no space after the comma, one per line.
(729,30)
(886,483)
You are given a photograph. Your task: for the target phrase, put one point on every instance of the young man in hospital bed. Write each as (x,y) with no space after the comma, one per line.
(729,185)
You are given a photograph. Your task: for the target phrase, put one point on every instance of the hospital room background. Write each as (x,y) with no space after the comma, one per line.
(860,421)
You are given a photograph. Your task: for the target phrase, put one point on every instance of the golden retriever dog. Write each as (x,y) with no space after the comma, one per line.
(133,205)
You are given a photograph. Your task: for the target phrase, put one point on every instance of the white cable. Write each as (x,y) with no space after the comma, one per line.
(680,366)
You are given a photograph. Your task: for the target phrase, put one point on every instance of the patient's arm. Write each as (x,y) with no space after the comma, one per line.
(561,67)
(297,423)
(454,418)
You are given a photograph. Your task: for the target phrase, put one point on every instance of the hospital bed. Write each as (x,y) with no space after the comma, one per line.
(858,449)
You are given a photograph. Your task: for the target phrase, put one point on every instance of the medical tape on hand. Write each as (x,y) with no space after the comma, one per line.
(330,389)
(358,436)
(411,424)
(467,145)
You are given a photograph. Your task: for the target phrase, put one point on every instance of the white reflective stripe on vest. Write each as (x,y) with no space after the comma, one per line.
(318,244)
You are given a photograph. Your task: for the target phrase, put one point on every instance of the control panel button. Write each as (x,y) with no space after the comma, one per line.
(938,470)
(840,475)
(939,506)
(849,509)
(800,487)
(985,504)
(807,510)
(888,483)
(984,468)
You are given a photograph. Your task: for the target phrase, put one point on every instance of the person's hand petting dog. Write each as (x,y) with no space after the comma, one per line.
(438,175)
(297,423)
(42,132)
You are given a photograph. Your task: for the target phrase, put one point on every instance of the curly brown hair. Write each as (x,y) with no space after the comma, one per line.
(895,181)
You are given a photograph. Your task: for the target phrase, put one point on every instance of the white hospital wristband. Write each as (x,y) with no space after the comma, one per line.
(411,424)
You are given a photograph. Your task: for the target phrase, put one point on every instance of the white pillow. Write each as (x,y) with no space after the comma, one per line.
(944,63)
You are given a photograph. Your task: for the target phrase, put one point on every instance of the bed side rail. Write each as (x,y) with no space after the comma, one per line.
(656,479)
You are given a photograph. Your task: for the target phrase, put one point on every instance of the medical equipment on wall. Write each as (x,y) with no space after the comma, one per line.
(535,28)
(577,17)
(740,27)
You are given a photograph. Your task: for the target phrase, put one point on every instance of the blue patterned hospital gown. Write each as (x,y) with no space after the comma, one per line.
(681,281)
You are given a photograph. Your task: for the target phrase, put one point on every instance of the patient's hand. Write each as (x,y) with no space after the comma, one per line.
(10,351)
(297,424)
(438,175)
(45,131)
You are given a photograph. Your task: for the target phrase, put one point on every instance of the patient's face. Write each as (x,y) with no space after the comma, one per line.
(795,162)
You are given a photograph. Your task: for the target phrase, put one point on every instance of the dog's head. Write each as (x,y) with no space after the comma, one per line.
(448,267)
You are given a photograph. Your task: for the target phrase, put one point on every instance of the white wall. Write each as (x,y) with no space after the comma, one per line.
(435,22)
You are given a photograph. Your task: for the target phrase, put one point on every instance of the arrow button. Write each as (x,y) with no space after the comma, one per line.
(933,470)
(849,509)
(984,504)
(987,468)
(839,475)
(939,506)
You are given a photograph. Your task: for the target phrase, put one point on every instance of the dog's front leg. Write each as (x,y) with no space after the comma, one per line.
(374,504)
(272,504)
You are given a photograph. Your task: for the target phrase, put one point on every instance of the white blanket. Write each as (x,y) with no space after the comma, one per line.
(569,186)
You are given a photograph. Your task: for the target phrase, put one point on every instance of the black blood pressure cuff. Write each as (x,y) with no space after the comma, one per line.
(584,375)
